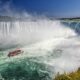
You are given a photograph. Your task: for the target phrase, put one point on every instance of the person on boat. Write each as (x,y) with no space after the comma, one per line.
(15,52)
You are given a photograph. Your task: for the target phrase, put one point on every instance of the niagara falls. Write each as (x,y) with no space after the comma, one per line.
(39,40)
(49,47)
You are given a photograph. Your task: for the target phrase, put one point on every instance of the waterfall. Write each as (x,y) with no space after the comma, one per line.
(48,45)
(27,32)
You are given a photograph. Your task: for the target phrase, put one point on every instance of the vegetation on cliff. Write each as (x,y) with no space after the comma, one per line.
(68,76)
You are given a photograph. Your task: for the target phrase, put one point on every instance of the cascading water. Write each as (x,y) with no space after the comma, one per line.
(48,48)
(25,32)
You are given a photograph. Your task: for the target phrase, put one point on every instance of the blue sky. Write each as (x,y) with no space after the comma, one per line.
(55,8)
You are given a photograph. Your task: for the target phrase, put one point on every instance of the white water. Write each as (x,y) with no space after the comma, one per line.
(54,43)
(27,32)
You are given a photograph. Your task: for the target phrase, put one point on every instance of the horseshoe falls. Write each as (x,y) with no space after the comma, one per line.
(49,46)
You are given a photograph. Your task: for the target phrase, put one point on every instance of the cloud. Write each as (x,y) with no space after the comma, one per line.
(5,7)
